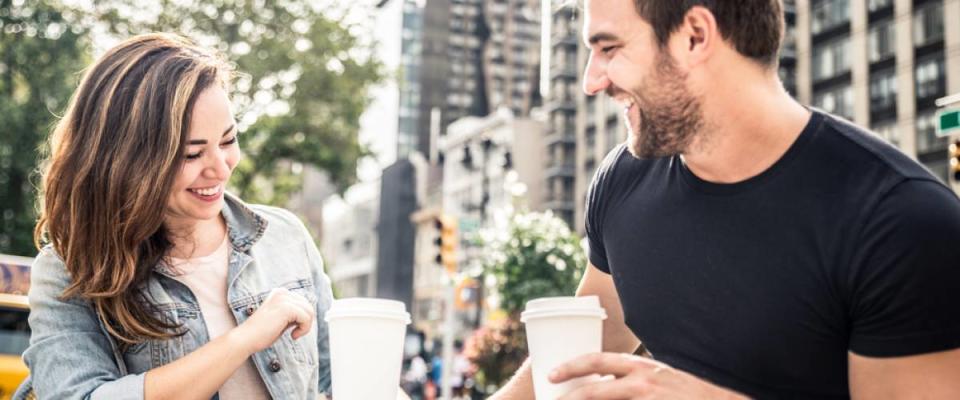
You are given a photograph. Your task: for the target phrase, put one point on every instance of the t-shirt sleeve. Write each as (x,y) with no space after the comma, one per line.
(598,195)
(905,288)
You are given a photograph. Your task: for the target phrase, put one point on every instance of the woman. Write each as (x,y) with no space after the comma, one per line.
(153,282)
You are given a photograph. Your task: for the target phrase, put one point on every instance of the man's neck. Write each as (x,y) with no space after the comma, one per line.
(748,127)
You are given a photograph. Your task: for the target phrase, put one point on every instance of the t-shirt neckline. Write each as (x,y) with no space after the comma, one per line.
(806,135)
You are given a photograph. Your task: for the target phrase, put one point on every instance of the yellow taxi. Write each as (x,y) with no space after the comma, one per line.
(14,330)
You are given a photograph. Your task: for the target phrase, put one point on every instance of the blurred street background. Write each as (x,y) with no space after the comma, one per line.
(440,150)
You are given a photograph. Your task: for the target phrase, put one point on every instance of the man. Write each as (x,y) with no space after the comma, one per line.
(757,247)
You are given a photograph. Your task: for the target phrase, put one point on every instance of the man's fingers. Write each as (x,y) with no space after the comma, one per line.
(615,364)
(610,389)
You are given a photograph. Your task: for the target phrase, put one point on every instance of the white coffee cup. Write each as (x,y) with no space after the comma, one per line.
(366,347)
(560,329)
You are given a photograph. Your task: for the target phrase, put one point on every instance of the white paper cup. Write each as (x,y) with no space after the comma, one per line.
(560,329)
(366,347)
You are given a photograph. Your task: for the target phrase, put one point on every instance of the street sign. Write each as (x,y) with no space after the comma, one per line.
(949,122)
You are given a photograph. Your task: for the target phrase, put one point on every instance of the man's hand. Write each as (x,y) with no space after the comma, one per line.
(635,378)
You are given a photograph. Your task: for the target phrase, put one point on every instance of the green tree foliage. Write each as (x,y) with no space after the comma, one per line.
(304,81)
(535,256)
(42,48)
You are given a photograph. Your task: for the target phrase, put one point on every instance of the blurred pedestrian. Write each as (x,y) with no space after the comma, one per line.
(415,377)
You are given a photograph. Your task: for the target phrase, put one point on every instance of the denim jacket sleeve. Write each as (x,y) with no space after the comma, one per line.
(70,356)
(324,300)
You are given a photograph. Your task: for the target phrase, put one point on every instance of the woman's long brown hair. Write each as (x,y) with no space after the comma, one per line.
(113,160)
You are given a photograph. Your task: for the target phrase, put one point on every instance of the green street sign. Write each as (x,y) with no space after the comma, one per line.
(949,122)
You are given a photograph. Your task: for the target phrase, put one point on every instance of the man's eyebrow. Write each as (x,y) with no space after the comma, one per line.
(602,37)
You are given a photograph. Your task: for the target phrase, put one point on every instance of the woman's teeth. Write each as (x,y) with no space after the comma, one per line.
(206,191)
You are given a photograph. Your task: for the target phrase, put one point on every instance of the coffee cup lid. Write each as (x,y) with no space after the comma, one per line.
(361,307)
(581,306)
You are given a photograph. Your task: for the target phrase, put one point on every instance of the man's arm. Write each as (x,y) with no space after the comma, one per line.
(617,337)
(924,376)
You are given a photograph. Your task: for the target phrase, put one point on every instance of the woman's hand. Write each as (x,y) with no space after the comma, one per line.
(281,310)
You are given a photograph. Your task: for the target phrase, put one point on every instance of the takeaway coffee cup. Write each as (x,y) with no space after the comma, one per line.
(560,329)
(366,347)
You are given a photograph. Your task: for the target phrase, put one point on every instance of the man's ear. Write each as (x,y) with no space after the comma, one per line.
(696,39)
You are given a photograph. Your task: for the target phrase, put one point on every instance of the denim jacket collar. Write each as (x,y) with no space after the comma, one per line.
(244,226)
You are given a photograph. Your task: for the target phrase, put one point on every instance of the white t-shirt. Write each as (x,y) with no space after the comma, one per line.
(206,277)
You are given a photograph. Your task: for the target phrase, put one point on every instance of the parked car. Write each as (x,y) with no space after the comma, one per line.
(14,330)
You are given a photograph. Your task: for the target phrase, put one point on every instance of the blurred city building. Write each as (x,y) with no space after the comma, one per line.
(464,58)
(350,240)
(491,165)
(563,59)
(882,64)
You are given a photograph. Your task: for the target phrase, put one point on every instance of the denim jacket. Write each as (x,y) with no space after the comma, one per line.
(72,357)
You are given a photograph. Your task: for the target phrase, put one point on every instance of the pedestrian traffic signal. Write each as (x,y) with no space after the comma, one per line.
(446,242)
(955,160)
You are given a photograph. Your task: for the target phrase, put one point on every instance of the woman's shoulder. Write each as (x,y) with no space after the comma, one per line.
(48,262)
(49,276)
(278,217)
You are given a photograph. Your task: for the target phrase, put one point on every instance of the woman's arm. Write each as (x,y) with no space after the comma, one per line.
(200,374)
(70,357)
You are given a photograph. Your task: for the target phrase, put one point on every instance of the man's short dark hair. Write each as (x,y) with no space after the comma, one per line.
(754,27)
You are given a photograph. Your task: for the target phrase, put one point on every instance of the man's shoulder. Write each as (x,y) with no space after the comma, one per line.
(861,151)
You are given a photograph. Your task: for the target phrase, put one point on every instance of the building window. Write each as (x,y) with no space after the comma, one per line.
(927,140)
(930,78)
(874,5)
(882,40)
(789,46)
(883,89)
(928,24)
(788,77)
(831,59)
(837,101)
(829,14)
(889,132)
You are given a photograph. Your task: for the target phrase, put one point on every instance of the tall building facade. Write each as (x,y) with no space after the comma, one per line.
(563,61)
(464,58)
(451,67)
(411,45)
(512,54)
(882,64)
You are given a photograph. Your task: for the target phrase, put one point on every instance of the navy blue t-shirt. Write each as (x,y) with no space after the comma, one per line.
(763,286)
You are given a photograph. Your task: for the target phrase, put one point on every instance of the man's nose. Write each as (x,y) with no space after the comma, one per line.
(595,78)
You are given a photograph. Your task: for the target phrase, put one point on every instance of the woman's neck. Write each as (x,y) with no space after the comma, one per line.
(197,239)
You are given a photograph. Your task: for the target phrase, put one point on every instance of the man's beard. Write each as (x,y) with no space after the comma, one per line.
(670,116)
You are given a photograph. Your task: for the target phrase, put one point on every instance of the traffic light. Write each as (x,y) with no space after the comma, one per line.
(446,242)
(466,294)
(955,160)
